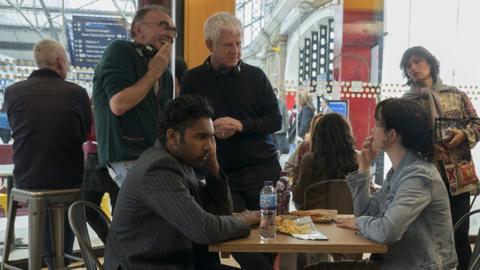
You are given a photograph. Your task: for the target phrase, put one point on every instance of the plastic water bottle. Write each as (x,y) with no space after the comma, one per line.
(268,211)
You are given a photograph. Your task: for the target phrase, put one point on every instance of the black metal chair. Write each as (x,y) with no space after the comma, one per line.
(474,198)
(78,221)
(474,263)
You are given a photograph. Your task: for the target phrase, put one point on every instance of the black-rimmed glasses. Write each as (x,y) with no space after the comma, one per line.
(165,26)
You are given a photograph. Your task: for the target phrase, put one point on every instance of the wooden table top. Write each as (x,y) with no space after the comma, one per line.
(340,240)
(6,170)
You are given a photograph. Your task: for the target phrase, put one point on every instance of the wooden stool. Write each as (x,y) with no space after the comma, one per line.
(38,201)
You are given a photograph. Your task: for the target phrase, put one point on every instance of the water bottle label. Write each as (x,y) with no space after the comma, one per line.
(268,201)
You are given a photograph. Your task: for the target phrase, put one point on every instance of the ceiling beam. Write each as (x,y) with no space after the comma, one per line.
(70,11)
(25,17)
(53,33)
(15,28)
(17,46)
(115,3)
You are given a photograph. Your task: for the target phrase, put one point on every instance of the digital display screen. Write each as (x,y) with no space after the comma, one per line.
(88,37)
(339,106)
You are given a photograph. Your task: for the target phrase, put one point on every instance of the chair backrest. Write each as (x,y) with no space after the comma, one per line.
(6,154)
(78,221)
(475,258)
(329,194)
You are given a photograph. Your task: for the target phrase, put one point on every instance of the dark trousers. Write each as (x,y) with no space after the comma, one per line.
(97,182)
(5,135)
(281,142)
(245,184)
(69,237)
(255,261)
(459,206)
(205,260)
(92,217)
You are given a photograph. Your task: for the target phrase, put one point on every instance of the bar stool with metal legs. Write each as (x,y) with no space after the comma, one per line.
(38,201)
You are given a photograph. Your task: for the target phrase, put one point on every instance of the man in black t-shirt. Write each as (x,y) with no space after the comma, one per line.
(246,111)
(246,115)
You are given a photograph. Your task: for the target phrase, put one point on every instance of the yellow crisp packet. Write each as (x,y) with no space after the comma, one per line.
(299,227)
(289,224)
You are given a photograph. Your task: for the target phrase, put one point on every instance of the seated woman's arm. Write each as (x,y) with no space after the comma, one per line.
(404,206)
(364,203)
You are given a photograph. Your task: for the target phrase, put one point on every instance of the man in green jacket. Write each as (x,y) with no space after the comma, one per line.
(131,85)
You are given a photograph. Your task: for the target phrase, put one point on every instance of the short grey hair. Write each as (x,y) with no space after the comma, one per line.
(221,21)
(47,51)
(140,15)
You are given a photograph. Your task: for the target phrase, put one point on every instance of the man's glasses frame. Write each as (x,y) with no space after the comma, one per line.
(164,25)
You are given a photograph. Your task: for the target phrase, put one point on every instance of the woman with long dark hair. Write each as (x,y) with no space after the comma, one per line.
(332,156)
(292,165)
(411,212)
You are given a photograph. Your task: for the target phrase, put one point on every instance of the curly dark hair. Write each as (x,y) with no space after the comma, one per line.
(181,112)
(410,120)
(333,147)
(421,52)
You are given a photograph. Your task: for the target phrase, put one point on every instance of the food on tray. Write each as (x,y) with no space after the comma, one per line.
(291,225)
(317,215)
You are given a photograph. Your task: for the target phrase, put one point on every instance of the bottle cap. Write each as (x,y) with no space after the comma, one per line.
(268,183)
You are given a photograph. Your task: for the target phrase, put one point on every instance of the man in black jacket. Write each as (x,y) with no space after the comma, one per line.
(246,111)
(50,119)
(246,115)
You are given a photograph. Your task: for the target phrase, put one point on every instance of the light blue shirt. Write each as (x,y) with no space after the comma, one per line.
(4,121)
(411,214)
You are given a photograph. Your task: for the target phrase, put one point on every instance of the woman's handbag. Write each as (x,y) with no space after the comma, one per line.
(442,128)
(464,172)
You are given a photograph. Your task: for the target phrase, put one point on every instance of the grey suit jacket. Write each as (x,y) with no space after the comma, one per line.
(161,208)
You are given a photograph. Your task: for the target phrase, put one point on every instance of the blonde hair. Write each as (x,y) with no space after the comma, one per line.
(47,51)
(221,21)
(304,99)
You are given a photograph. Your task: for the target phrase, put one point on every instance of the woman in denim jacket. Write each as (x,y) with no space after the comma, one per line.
(411,213)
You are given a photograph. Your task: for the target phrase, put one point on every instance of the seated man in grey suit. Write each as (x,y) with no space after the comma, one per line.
(162,207)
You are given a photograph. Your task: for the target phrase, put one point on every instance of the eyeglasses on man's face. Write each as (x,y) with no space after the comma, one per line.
(165,26)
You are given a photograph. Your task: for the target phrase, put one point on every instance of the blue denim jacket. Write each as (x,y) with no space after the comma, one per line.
(411,214)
